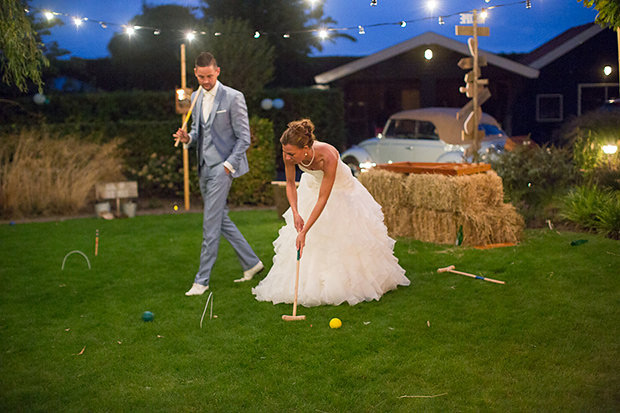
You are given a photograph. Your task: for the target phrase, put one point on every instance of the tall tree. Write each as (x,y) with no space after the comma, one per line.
(149,59)
(608,12)
(21,54)
(274,19)
(247,63)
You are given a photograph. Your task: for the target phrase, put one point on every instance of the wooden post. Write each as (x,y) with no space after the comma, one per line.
(476,121)
(185,150)
(618,31)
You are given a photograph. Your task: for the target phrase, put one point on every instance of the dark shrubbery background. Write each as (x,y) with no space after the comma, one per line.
(145,121)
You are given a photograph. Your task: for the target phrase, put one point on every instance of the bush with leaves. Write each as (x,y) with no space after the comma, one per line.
(162,173)
(593,209)
(534,177)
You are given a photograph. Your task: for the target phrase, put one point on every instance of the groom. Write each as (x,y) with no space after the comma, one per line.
(221,132)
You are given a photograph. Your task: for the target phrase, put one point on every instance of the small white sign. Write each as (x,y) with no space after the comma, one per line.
(467,18)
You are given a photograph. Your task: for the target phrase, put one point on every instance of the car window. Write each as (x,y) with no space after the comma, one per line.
(427,130)
(490,129)
(411,129)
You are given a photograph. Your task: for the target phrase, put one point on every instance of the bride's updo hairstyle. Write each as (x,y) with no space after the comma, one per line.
(299,133)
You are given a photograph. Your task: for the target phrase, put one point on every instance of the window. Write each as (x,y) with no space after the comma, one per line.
(549,108)
(411,129)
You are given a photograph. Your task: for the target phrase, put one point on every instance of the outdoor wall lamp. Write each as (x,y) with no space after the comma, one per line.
(610,149)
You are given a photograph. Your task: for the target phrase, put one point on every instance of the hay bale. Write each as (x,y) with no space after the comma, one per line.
(431,207)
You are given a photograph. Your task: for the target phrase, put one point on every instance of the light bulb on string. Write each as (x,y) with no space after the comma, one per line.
(130,31)
(360,30)
(190,36)
(323,34)
(403,24)
(431,5)
(77,21)
(484,14)
(156,32)
(441,21)
(373,3)
(286,36)
(256,34)
(48,15)
(528,4)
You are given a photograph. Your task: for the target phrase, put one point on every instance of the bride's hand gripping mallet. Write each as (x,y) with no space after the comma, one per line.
(450,268)
(295,317)
(189,113)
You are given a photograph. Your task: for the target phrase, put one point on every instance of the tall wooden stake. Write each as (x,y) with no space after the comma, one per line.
(185,150)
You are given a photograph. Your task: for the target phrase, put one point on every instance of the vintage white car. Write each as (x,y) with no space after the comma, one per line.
(423,135)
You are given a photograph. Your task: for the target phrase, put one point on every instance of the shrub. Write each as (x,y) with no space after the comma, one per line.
(593,209)
(587,134)
(44,175)
(162,173)
(534,177)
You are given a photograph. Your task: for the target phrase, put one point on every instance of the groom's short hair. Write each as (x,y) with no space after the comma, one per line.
(205,59)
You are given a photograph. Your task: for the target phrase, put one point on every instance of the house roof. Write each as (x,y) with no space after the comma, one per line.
(421,40)
(560,45)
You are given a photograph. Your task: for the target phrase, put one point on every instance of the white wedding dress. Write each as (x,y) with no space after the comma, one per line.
(348,254)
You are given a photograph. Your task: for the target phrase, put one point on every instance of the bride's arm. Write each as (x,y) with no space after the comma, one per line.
(329,176)
(291,193)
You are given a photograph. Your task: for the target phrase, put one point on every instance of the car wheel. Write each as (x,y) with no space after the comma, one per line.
(353,164)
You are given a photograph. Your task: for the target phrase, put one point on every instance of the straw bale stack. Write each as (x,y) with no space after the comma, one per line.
(431,207)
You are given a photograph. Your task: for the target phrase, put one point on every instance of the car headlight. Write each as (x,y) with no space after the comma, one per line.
(364,166)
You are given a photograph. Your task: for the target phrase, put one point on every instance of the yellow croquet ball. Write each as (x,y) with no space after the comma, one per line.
(176,207)
(335,323)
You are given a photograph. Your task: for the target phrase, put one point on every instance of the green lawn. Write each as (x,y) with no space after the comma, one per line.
(546,341)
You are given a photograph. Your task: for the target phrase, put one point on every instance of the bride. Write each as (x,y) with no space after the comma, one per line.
(337,227)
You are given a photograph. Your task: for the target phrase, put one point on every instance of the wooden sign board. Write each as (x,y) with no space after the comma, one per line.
(469,30)
(114,190)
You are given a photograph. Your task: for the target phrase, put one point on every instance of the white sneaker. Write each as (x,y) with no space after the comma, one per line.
(249,274)
(197,289)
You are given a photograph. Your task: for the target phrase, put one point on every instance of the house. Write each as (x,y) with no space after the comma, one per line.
(572,79)
(531,95)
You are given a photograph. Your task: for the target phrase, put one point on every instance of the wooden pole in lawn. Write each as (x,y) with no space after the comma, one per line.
(185,150)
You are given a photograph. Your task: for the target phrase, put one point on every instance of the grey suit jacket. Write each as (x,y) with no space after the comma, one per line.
(228,125)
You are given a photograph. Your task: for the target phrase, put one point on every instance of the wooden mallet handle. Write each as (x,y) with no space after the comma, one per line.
(191,107)
(450,268)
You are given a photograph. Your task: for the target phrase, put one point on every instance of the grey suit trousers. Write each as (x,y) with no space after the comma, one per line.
(214,185)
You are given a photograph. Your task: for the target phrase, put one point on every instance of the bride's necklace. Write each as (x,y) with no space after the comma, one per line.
(309,163)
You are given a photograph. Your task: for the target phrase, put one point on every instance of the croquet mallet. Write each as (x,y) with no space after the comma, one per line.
(295,317)
(189,113)
(451,269)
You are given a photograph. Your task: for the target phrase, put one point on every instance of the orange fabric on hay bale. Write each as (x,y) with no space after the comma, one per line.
(443,168)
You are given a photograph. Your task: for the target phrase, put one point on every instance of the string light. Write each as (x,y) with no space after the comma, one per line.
(190,36)
(431,5)
(322,33)
(484,14)
(130,31)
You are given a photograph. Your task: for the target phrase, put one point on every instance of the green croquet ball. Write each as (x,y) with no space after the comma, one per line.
(147,316)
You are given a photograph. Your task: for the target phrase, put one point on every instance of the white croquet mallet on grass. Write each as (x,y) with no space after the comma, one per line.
(450,268)
(189,113)
(295,317)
